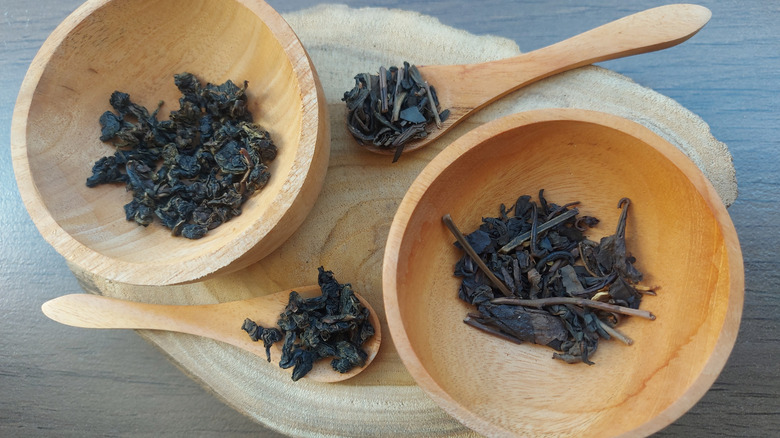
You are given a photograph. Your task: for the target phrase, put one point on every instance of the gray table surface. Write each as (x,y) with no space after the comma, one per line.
(62,381)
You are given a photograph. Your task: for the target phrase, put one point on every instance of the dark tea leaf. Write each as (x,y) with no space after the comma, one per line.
(525,324)
(611,253)
(268,336)
(392,108)
(334,324)
(191,172)
(534,277)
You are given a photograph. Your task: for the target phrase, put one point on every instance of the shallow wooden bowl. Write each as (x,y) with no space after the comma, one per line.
(678,229)
(136,46)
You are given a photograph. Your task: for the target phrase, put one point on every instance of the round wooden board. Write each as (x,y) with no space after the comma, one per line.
(346,230)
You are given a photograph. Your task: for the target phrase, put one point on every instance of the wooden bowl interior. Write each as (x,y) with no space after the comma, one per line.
(137,47)
(497,387)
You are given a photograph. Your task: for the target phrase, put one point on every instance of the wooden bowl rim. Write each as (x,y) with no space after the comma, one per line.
(480,135)
(221,258)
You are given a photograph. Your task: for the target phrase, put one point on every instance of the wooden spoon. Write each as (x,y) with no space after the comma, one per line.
(464,89)
(216,321)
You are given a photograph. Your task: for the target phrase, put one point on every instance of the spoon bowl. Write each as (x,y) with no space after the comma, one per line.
(678,230)
(464,89)
(137,47)
(221,322)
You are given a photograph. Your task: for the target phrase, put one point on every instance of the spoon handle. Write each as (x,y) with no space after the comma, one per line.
(216,321)
(646,31)
(94,311)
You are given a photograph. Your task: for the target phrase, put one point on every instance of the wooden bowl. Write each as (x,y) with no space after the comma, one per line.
(136,47)
(678,229)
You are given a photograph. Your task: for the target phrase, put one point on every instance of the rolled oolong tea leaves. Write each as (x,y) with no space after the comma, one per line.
(335,324)
(193,171)
(269,336)
(392,108)
(542,281)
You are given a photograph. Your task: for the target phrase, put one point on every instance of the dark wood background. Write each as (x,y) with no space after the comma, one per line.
(62,381)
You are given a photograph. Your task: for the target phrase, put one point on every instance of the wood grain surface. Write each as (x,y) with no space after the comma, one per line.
(61,381)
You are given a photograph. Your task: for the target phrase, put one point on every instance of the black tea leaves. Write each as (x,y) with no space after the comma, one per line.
(194,171)
(392,108)
(533,276)
(333,325)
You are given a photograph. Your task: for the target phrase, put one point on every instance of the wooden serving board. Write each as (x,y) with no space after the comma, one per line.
(346,230)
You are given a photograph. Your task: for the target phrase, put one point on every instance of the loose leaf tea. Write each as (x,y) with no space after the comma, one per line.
(269,336)
(335,324)
(194,171)
(392,108)
(533,276)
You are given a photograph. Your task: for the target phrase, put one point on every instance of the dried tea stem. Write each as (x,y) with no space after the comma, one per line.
(383,88)
(432,104)
(534,231)
(447,219)
(398,95)
(487,329)
(542,302)
(562,208)
(517,241)
(612,331)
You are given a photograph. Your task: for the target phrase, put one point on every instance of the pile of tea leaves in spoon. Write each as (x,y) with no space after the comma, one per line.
(533,276)
(333,325)
(392,108)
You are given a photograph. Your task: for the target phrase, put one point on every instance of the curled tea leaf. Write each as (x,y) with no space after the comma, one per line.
(193,171)
(268,335)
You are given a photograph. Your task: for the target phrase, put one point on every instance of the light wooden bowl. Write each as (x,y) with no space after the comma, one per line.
(136,47)
(678,229)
